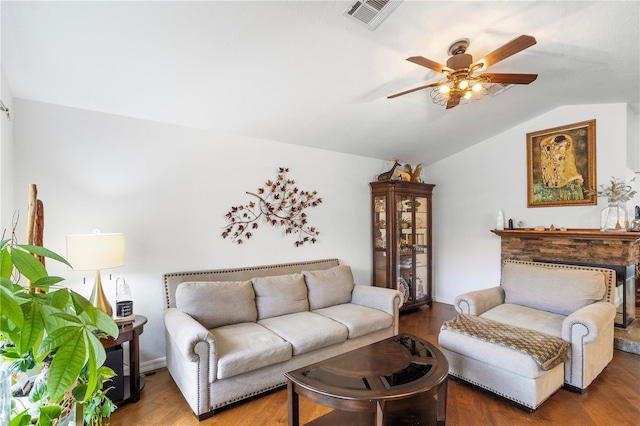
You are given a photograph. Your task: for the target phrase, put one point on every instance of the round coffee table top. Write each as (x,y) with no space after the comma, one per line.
(399,367)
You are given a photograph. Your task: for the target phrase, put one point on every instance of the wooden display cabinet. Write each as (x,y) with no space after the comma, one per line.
(401,239)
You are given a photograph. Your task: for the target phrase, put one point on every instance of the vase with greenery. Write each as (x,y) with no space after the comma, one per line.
(614,216)
(53,333)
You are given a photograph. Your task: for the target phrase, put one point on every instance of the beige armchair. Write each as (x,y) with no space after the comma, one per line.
(573,303)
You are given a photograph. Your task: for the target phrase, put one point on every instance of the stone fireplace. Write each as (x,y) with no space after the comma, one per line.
(619,251)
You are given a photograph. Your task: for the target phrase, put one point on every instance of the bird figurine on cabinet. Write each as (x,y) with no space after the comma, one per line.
(402,175)
(410,174)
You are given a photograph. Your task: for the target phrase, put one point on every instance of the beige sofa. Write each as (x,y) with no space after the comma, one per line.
(573,303)
(232,334)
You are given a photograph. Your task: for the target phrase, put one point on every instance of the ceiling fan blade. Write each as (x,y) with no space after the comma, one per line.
(514,46)
(511,78)
(412,90)
(428,63)
(453,101)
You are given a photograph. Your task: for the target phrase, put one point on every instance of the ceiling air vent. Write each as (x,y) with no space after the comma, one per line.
(498,88)
(371,13)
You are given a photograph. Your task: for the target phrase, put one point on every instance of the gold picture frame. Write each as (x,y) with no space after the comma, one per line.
(561,165)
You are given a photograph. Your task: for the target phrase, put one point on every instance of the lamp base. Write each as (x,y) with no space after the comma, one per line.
(98,298)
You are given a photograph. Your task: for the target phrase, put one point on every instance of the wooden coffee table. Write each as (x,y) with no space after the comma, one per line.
(392,382)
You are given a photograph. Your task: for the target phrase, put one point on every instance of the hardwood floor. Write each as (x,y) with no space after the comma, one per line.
(612,399)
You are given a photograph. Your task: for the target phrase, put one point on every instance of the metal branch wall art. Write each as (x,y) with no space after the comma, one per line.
(278,203)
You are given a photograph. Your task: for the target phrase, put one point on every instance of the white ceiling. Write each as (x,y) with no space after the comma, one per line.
(302,73)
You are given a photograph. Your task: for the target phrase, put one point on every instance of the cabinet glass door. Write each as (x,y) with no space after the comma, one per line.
(404,243)
(380,258)
(412,253)
(420,247)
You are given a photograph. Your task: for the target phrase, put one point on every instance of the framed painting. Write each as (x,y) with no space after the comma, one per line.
(561,165)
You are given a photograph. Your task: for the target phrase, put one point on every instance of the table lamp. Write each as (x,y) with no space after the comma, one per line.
(96,251)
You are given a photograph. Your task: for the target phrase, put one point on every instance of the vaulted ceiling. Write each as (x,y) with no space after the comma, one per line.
(301,72)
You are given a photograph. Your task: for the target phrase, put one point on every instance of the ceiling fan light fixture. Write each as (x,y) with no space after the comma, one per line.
(464,89)
(463,81)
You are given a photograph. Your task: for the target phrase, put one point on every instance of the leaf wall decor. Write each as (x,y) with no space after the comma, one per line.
(278,203)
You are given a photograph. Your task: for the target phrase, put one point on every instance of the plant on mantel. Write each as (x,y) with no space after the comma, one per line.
(53,331)
(617,192)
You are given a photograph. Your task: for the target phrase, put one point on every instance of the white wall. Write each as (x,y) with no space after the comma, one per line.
(474,184)
(633,142)
(168,189)
(6,161)
(6,149)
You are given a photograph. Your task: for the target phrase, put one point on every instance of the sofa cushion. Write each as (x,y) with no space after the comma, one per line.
(280,295)
(306,331)
(247,346)
(525,317)
(358,319)
(561,291)
(329,287)
(217,303)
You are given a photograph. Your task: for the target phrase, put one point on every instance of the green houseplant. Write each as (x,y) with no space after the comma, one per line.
(53,330)
(97,408)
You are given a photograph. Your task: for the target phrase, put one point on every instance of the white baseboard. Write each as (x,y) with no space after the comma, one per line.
(153,364)
(145,366)
(441,300)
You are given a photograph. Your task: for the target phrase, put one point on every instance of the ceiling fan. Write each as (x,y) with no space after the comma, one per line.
(463,79)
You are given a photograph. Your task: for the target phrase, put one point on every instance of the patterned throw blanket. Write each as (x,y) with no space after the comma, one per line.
(547,351)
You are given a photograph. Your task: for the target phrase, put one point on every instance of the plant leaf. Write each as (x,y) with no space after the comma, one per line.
(67,364)
(92,378)
(32,328)
(7,283)
(97,318)
(6,265)
(38,392)
(48,414)
(22,419)
(45,282)
(58,338)
(98,350)
(28,265)
(60,298)
(69,317)
(45,252)
(79,392)
(50,317)
(80,304)
(10,308)
(106,373)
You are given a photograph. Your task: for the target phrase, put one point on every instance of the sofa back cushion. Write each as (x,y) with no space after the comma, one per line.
(329,287)
(557,290)
(218,303)
(280,295)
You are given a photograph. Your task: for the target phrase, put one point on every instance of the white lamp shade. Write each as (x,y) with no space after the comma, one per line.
(95,251)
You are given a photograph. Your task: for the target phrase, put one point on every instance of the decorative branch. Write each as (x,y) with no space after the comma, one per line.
(279,203)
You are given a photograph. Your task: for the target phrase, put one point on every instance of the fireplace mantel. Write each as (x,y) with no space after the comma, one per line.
(617,250)
(573,233)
